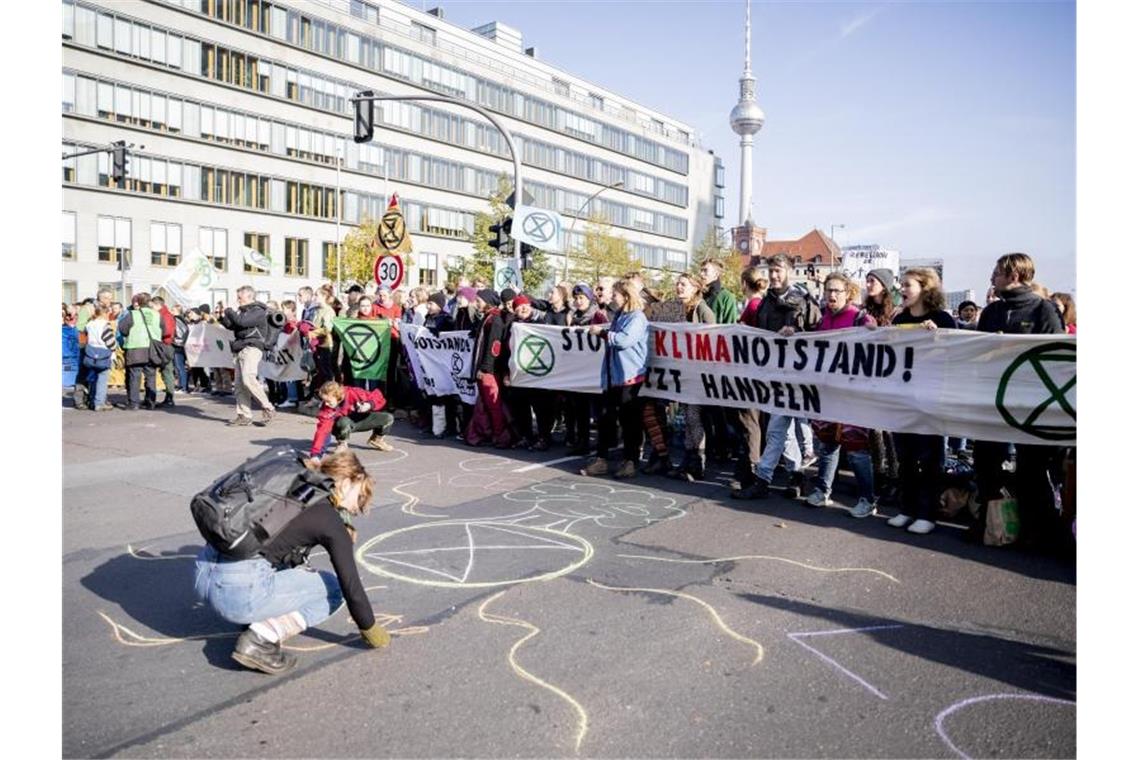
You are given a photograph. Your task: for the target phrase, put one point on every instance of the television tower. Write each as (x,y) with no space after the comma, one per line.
(746,119)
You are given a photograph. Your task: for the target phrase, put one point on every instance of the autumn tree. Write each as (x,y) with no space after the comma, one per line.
(481,262)
(604,253)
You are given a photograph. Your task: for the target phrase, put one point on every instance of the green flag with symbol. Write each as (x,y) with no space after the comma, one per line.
(367,344)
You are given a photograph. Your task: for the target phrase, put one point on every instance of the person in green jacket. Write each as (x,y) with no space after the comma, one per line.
(721,301)
(140,324)
(721,432)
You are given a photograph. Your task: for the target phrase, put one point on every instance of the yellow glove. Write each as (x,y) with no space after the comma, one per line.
(376,636)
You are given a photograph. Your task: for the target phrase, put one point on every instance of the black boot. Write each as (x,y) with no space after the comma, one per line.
(258,653)
(658,464)
(758,490)
(169,400)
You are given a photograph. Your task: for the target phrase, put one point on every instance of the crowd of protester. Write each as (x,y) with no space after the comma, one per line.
(906,470)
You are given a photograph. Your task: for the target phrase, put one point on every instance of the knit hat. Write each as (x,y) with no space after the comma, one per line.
(468,292)
(489,296)
(439,299)
(885,276)
(965,304)
(507,294)
(583,288)
(520,300)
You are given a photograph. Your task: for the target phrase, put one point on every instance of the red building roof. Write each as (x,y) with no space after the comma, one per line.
(814,247)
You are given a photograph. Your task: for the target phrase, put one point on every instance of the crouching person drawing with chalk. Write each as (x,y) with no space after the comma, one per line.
(346,410)
(260,522)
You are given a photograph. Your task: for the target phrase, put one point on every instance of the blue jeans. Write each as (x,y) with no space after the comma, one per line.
(860,462)
(180,369)
(97,382)
(246,591)
(292,390)
(778,443)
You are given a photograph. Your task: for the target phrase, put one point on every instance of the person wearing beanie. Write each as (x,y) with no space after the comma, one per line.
(488,422)
(879,301)
(466,314)
(967,316)
(468,293)
(522,299)
(532,410)
(506,296)
(439,299)
(583,289)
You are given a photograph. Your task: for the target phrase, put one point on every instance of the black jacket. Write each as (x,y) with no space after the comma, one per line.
(441,322)
(1020,311)
(489,343)
(788,308)
(248,324)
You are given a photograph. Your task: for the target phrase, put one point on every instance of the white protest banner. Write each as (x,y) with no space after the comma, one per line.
(558,358)
(859,260)
(538,227)
(283,362)
(441,365)
(1016,388)
(256,259)
(191,281)
(208,346)
(506,276)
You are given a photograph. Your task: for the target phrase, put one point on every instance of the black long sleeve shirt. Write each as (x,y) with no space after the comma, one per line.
(320,525)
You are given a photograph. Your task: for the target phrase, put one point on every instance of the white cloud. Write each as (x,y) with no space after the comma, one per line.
(853,25)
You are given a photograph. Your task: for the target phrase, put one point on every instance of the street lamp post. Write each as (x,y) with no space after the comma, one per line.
(840,226)
(566,253)
(339,160)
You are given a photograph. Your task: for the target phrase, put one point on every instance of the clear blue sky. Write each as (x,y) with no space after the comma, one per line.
(941,129)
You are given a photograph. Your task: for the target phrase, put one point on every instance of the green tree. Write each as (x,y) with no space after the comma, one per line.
(358,254)
(711,247)
(604,253)
(481,263)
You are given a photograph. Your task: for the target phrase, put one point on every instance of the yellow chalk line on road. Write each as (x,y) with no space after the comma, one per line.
(716,617)
(583,720)
(764,556)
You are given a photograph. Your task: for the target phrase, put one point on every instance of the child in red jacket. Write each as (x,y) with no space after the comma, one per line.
(347,410)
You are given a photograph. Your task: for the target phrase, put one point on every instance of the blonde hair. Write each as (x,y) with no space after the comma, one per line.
(849,285)
(1020,264)
(633,300)
(343,466)
(754,279)
(932,297)
(332,388)
(697,288)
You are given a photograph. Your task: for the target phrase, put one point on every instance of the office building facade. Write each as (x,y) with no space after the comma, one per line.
(239,112)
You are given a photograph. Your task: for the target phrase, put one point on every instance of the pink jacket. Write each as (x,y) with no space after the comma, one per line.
(850,437)
(846,318)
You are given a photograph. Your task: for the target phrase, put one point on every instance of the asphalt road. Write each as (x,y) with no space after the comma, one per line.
(538,613)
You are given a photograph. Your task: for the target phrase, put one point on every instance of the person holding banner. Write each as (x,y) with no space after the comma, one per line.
(623,372)
(921,457)
(880,304)
(488,420)
(585,312)
(526,404)
(754,283)
(697,311)
(840,312)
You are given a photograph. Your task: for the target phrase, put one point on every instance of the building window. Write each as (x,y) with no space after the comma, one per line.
(114,239)
(597,101)
(69,236)
(423,33)
(296,257)
(719,174)
(328,259)
(213,242)
(561,86)
(259,243)
(70,291)
(428,266)
(165,244)
(719,212)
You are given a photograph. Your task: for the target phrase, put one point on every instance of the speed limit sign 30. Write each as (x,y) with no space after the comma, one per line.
(388,271)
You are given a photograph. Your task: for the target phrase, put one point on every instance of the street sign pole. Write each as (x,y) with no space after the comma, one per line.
(489,117)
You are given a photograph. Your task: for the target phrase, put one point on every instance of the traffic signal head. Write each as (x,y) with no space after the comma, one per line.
(500,234)
(120,161)
(527,252)
(364,124)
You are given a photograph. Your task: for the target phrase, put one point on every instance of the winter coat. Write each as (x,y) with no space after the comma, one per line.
(489,343)
(591,316)
(849,316)
(786,308)
(168,325)
(181,332)
(441,322)
(1020,311)
(721,302)
(627,349)
(702,314)
(249,326)
(327,416)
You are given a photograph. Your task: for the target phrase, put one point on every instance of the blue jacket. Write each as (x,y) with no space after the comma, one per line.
(627,349)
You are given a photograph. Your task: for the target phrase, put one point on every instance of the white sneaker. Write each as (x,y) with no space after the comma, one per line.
(818,499)
(863,508)
(898,520)
(287,405)
(921,526)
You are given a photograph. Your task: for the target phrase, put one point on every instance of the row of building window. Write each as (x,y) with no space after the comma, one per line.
(228,187)
(116,101)
(114,244)
(123,35)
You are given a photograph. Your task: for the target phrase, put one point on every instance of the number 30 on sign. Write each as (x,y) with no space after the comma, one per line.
(388,271)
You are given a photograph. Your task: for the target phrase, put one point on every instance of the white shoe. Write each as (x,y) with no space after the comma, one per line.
(898,520)
(287,405)
(818,499)
(921,526)
(863,508)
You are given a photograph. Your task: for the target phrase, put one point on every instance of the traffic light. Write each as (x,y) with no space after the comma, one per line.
(120,161)
(500,235)
(364,117)
(527,252)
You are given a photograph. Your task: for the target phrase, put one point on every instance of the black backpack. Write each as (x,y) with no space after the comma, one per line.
(248,507)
